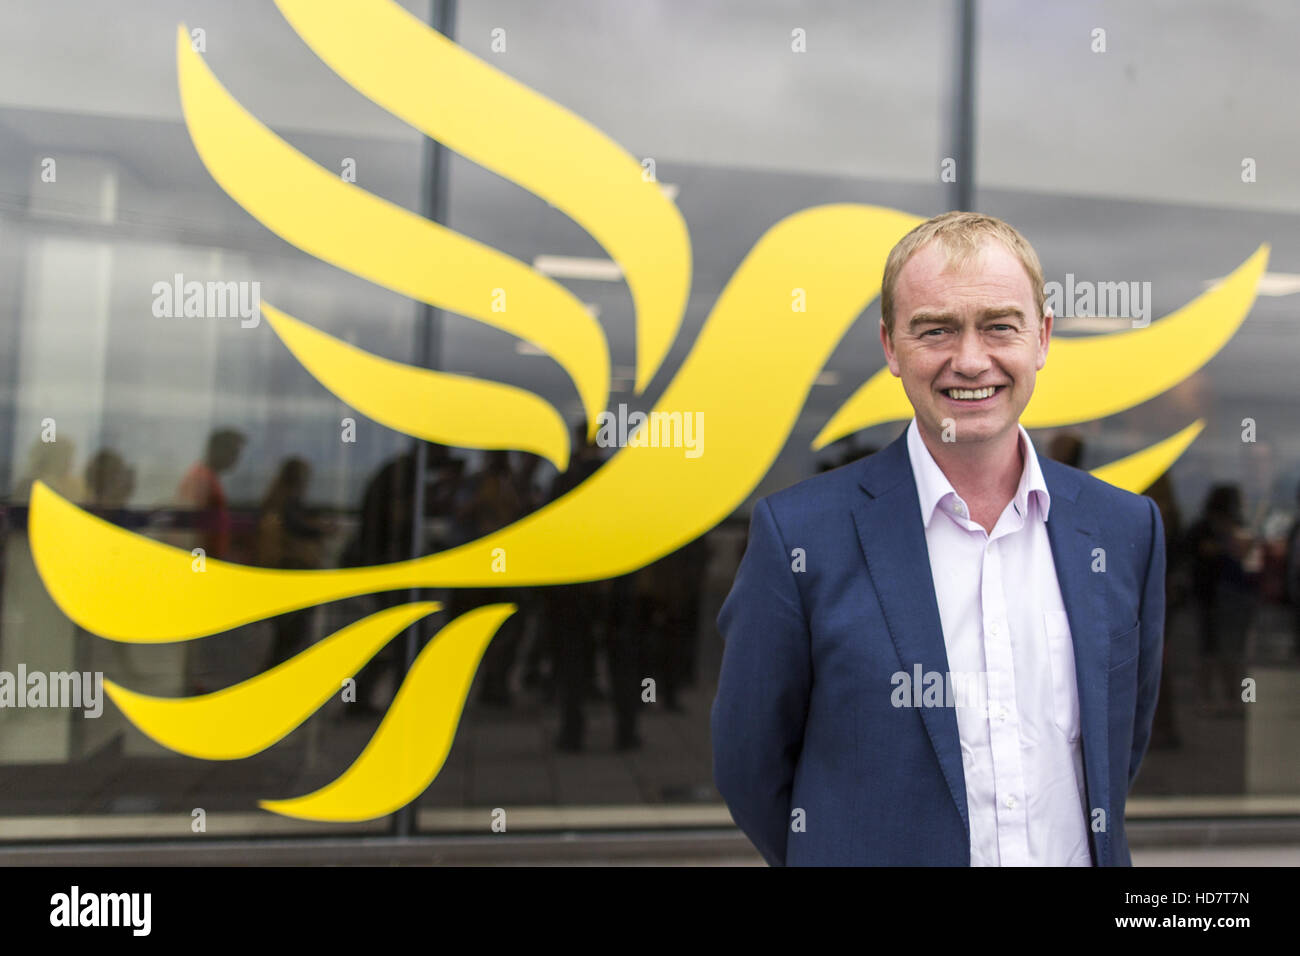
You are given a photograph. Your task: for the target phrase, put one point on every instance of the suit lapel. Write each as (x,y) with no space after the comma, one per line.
(1072,531)
(892,536)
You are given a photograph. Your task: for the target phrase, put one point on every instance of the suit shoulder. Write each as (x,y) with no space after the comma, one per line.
(828,490)
(1119,503)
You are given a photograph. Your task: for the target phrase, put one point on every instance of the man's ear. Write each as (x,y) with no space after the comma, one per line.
(888,346)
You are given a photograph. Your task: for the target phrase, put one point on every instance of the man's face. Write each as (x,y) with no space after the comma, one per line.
(969,330)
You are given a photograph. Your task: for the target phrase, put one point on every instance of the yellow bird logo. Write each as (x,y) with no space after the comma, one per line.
(749,372)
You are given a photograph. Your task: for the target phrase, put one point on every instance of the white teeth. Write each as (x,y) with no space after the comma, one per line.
(971,393)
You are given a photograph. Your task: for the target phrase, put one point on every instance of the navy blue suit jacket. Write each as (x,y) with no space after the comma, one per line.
(803,718)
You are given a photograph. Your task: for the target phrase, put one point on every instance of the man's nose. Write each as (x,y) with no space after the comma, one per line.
(971,359)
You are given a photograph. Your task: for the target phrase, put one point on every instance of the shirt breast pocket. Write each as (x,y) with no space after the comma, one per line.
(1065,687)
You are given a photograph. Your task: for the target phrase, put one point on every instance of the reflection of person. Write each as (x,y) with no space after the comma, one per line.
(1291,573)
(493,502)
(1219,544)
(201,491)
(1067,448)
(1164,726)
(667,605)
(575,614)
(953,556)
(110,482)
(288,537)
(51,462)
(383,536)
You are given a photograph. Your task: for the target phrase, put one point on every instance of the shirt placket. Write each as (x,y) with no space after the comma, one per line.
(1004,722)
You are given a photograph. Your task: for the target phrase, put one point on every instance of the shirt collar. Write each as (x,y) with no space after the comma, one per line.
(932,486)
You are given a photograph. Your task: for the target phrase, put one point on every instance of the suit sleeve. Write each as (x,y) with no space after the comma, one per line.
(1151,643)
(763,690)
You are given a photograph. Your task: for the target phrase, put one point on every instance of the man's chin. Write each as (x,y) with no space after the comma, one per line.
(971,427)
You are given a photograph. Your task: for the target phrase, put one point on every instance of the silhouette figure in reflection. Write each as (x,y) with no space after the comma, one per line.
(201,491)
(383,536)
(288,537)
(1291,573)
(575,615)
(51,462)
(493,502)
(1067,448)
(110,482)
(531,602)
(1164,727)
(668,595)
(1219,544)
(445,476)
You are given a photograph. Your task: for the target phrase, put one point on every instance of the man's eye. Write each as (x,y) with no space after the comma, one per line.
(931,332)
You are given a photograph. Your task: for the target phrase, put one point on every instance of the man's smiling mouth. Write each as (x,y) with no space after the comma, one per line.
(972,394)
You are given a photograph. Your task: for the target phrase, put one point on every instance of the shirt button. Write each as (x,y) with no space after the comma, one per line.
(961,510)
(1011,803)
(1002,713)
(993,628)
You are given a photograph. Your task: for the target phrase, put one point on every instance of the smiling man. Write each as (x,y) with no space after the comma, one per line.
(952,558)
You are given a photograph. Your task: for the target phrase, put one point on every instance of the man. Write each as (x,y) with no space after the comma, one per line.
(952,559)
(201,491)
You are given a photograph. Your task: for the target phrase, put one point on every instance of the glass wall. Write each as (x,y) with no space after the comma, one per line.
(186,429)
(1136,154)
(207,432)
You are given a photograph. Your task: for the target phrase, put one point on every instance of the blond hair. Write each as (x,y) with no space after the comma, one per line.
(960,235)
